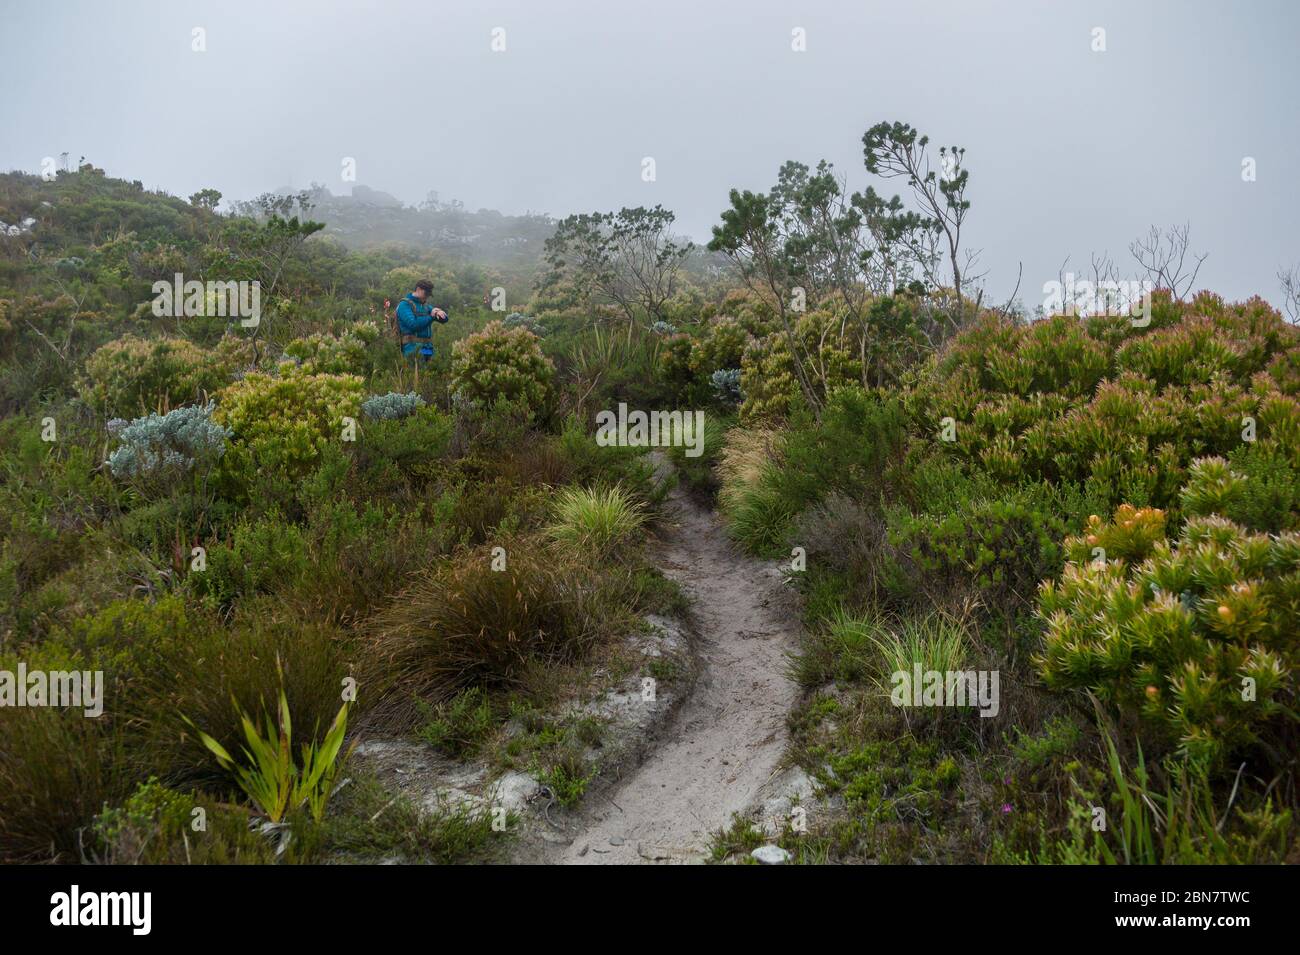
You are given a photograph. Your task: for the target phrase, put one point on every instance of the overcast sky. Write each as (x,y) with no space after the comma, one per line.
(1069,150)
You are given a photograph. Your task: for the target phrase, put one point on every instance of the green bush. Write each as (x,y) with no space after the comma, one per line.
(499,363)
(588,463)
(155,826)
(130,640)
(360,554)
(394,456)
(344,354)
(391,406)
(458,727)
(997,549)
(131,376)
(1269,498)
(768,376)
(1119,409)
(857,440)
(260,557)
(280,426)
(1196,636)
(165,448)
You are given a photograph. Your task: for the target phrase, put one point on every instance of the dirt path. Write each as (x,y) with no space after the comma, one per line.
(725,742)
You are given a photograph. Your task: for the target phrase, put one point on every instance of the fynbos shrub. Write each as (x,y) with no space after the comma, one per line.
(499,363)
(132,375)
(334,354)
(281,425)
(391,406)
(1197,635)
(161,446)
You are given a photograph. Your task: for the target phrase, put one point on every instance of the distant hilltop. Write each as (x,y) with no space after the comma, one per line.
(371,216)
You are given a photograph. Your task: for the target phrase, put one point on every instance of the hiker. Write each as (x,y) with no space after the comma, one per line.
(415,318)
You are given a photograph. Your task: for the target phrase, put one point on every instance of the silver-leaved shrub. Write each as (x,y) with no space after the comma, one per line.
(391,406)
(164,445)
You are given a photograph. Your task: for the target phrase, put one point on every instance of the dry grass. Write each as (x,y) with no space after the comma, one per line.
(745,454)
(470,625)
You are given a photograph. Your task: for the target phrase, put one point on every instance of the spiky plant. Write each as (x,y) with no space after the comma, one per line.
(596,520)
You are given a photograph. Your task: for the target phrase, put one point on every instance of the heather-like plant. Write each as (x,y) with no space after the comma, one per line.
(1122,408)
(502,363)
(768,374)
(170,445)
(1195,635)
(391,406)
(998,548)
(721,344)
(280,425)
(132,375)
(334,354)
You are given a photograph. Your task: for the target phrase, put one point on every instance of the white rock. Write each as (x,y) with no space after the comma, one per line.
(653,853)
(771,855)
(513,791)
(451,798)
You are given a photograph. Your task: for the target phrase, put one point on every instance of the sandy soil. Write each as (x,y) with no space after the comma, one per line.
(726,740)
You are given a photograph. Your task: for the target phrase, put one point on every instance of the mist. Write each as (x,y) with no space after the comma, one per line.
(1070,150)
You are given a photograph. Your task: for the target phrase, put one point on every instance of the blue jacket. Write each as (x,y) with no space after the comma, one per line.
(415,318)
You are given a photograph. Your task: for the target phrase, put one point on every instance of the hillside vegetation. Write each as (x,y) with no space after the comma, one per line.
(282,536)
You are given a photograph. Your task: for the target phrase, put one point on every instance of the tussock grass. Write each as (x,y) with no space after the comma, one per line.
(758,514)
(467,625)
(595,521)
(870,647)
(225,670)
(57,769)
(932,642)
(745,454)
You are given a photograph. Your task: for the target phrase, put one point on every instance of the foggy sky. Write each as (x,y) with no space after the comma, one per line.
(1069,151)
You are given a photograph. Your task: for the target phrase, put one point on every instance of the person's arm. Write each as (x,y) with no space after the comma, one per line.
(440,316)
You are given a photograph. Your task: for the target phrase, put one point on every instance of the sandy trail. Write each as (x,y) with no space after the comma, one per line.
(728,737)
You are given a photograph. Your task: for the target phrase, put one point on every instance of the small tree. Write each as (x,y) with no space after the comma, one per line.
(752,235)
(261,249)
(1163,256)
(1290,279)
(810,243)
(892,150)
(629,258)
(207,199)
